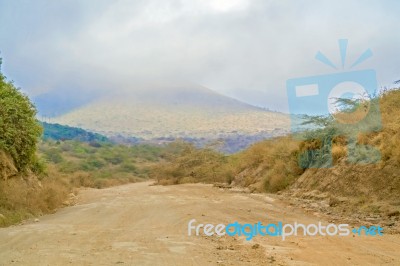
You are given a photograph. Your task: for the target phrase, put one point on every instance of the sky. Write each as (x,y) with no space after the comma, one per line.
(241,48)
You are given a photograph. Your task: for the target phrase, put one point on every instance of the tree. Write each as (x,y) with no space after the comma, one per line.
(19,129)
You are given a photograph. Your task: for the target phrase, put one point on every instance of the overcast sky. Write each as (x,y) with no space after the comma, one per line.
(242,48)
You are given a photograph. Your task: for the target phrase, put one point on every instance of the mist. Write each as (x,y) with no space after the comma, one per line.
(240,48)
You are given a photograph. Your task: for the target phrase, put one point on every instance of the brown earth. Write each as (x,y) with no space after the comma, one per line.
(141,224)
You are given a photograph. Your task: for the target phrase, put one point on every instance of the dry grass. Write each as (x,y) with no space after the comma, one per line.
(28,197)
(368,188)
(338,152)
(270,165)
(192,165)
(25,198)
(70,165)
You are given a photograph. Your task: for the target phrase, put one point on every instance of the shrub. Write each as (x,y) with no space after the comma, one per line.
(198,165)
(54,155)
(19,129)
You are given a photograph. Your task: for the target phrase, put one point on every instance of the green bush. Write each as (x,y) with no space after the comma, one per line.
(54,155)
(128,167)
(19,129)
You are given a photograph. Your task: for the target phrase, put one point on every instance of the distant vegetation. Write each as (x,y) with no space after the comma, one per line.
(62,132)
(97,164)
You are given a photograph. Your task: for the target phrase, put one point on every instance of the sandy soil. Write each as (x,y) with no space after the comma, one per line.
(140,224)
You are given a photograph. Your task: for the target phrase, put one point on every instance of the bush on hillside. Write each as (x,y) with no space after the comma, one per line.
(19,129)
(270,165)
(191,165)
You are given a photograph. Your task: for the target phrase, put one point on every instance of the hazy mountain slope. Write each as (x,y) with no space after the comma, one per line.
(58,102)
(172,111)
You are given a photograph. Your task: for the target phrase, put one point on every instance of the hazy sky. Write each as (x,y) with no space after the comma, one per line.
(242,48)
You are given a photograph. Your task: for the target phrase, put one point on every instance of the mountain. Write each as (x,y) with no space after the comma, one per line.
(58,102)
(172,111)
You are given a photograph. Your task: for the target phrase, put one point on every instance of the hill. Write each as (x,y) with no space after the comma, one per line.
(61,132)
(172,111)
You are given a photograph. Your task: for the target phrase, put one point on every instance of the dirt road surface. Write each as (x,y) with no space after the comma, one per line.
(141,224)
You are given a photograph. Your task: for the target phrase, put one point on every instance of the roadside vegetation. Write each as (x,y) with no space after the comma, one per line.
(68,165)
(42,164)
(39,172)
(20,194)
(317,160)
(98,164)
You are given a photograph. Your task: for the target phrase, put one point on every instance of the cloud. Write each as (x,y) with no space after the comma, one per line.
(246,49)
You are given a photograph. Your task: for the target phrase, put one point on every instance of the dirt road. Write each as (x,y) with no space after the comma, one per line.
(140,224)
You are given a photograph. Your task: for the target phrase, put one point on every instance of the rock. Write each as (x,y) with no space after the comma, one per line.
(393,213)
(36,220)
(222,185)
(7,167)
